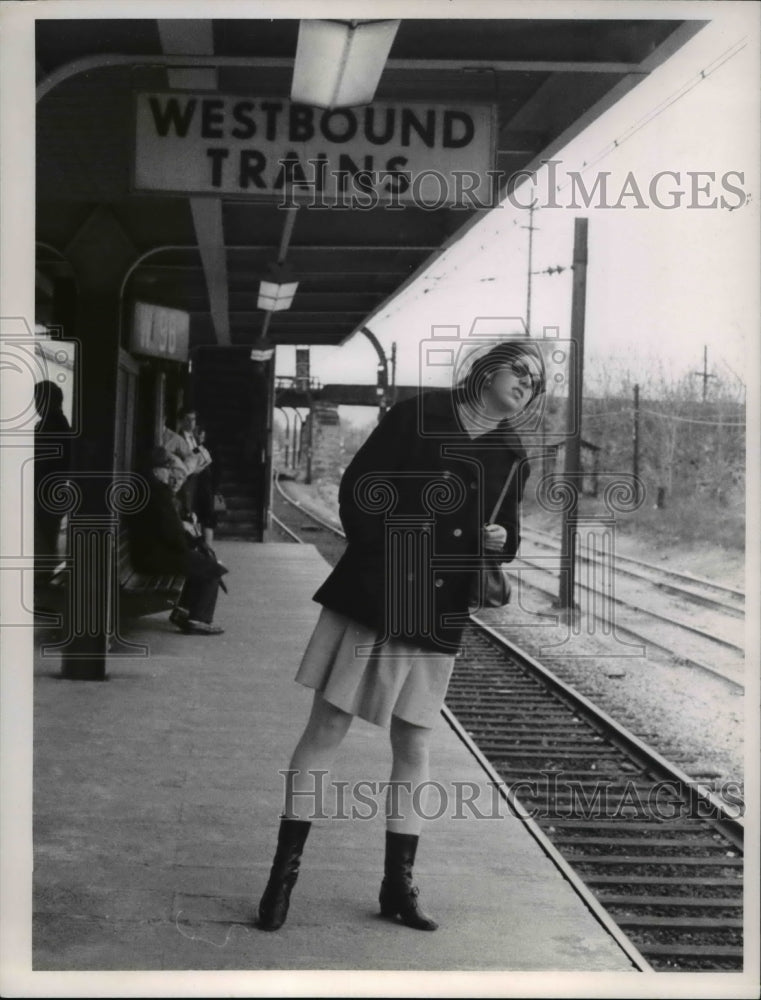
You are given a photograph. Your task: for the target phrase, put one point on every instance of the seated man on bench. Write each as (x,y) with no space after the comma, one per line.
(159,544)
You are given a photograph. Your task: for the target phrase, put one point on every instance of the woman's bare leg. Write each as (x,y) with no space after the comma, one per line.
(399,894)
(325,728)
(322,736)
(409,745)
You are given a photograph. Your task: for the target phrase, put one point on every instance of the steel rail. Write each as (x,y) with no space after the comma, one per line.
(638,607)
(622,736)
(608,846)
(623,630)
(705,600)
(582,890)
(678,574)
(286,529)
(309,513)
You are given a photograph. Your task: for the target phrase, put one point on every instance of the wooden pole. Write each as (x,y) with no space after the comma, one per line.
(531,227)
(573,417)
(635,434)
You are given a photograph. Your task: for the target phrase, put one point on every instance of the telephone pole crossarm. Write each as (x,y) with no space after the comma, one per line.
(705,375)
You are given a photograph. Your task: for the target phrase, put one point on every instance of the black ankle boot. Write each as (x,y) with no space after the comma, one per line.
(398,894)
(273,907)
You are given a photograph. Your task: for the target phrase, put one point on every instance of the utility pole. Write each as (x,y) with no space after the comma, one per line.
(635,434)
(704,374)
(531,227)
(287,433)
(296,449)
(382,370)
(573,423)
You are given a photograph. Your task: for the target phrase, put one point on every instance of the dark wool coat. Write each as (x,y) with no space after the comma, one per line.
(413,502)
(157,538)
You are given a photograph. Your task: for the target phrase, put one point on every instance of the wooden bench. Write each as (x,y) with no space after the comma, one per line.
(139,593)
(144,593)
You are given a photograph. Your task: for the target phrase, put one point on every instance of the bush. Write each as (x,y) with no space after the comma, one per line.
(687,519)
(692,519)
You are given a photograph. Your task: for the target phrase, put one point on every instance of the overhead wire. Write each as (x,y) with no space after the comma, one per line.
(659,109)
(627,134)
(606,413)
(666,416)
(692,420)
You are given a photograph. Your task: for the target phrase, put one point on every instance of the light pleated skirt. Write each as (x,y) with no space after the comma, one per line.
(396,678)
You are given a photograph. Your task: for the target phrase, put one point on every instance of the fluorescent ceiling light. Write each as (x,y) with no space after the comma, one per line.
(339,63)
(277,290)
(262,351)
(273,296)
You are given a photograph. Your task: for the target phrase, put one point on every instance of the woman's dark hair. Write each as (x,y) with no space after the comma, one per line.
(47,396)
(471,386)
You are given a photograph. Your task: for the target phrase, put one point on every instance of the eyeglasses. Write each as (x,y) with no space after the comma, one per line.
(521,370)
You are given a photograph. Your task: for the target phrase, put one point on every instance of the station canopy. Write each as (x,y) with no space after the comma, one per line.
(186,131)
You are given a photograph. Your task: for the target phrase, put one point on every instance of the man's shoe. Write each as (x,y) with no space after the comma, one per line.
(190,627)
(178,616)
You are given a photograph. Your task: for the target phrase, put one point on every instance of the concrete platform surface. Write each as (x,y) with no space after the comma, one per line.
(156,801)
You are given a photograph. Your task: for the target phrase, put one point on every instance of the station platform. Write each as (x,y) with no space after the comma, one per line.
(156,802)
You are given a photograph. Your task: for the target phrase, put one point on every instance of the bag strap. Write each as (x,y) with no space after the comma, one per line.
(503,492)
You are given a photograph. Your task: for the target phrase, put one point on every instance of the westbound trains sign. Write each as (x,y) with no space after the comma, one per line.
(430,154)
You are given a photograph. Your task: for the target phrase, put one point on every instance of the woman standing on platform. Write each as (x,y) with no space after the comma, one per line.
(207,483)
(384,645)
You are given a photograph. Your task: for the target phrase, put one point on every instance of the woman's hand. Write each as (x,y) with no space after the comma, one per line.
(493,537)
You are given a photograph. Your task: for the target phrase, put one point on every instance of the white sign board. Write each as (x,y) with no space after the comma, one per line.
(432,154)
(160,332)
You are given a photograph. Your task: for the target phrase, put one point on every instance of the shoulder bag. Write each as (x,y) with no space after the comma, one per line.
(491,585)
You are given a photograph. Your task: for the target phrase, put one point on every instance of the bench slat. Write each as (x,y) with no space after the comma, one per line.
(142,593)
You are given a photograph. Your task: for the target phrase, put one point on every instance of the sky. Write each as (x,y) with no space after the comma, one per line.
(661,283)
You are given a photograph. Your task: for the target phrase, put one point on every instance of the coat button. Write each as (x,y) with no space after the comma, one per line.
(457,532)
(438,582)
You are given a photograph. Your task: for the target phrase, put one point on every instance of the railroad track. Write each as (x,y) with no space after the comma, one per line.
(655,854)
(634,622)
(694,588)
(657,850)
(703,630)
